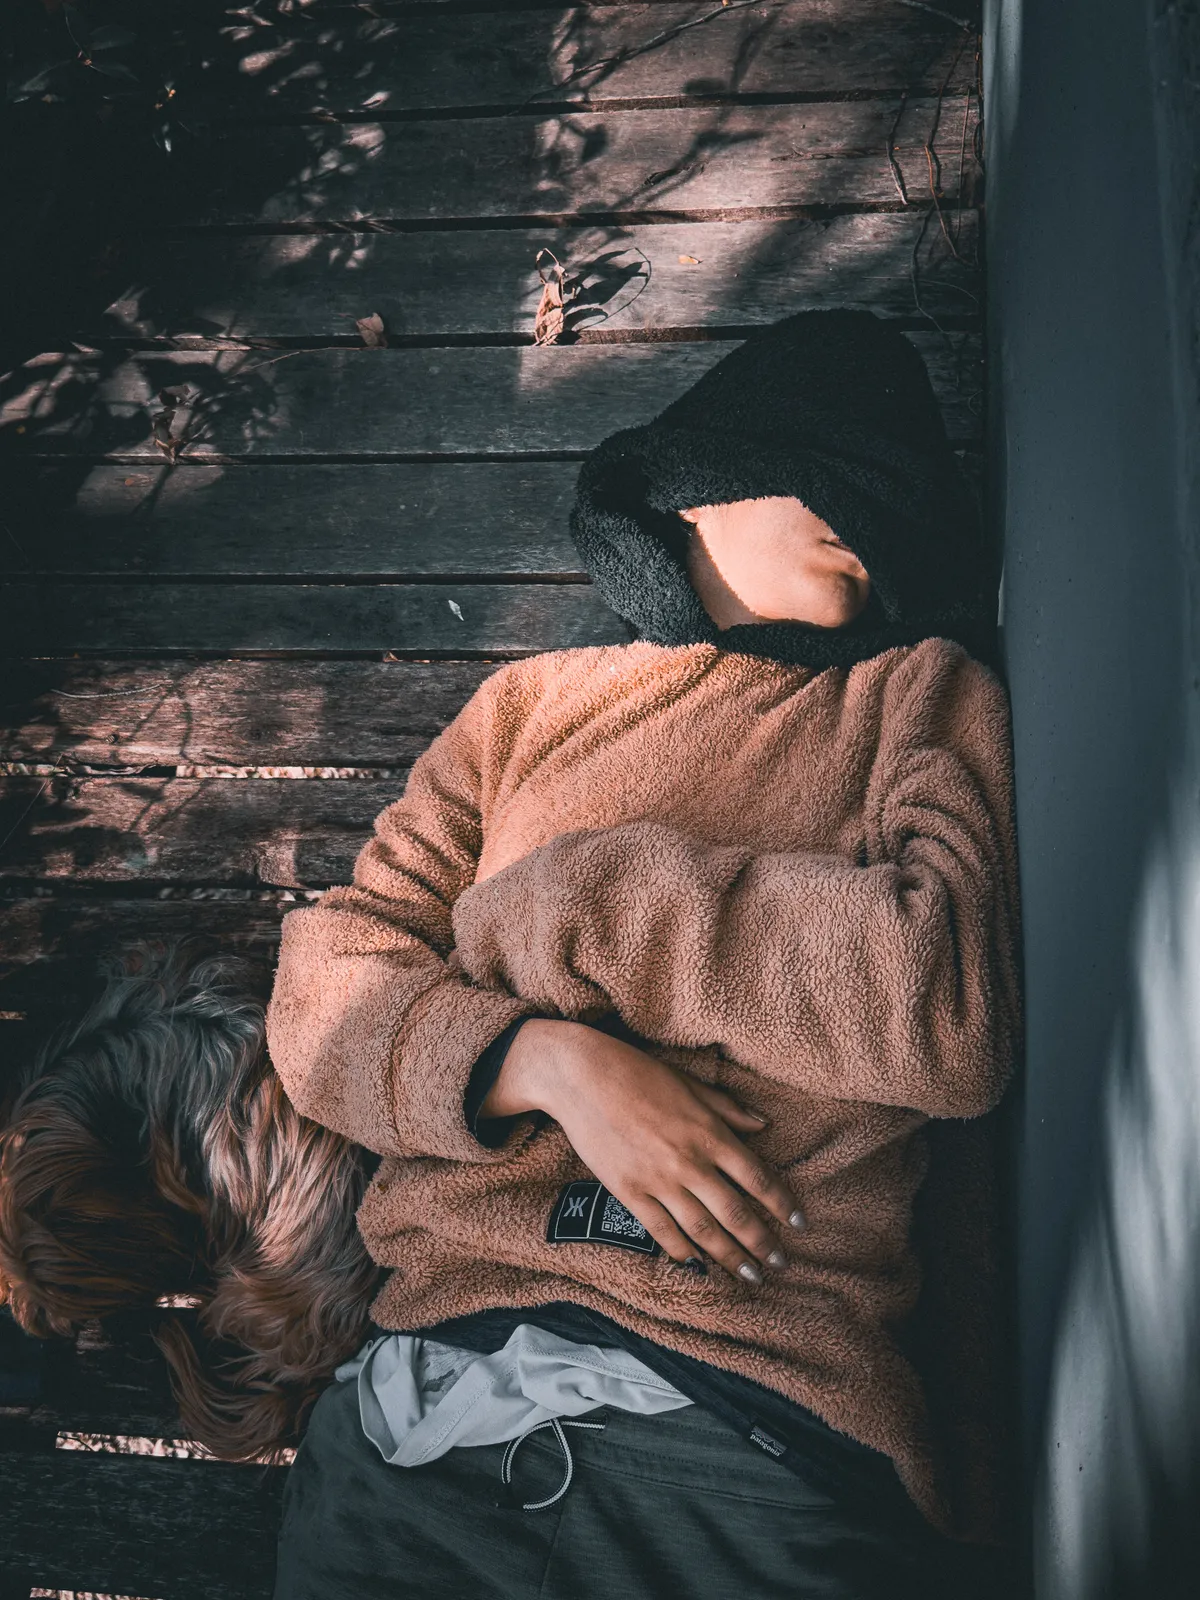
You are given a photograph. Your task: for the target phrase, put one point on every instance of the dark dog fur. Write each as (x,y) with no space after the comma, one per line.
(153,1152)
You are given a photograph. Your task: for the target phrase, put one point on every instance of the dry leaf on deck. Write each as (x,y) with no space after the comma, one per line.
(372,331)
(689,261)
(162,423)
(550,323)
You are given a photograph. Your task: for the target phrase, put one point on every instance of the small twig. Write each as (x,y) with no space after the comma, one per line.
(258,365)
(16,544)
(935,165)
(946,16)
(897,175)
(922,310)
(962,162)
(28,809)
(629,55)
(644,284)
(114,694)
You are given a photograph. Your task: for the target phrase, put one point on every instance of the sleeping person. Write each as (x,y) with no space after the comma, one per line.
(669,1000)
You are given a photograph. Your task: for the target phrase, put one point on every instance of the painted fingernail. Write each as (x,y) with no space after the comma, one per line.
(797,1220)
(694,1264)
(777,1259)
(751,1274)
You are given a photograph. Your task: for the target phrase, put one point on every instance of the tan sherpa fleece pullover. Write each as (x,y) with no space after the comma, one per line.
(800,886)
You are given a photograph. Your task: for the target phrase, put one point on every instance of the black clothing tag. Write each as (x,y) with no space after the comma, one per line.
(586,1213)
(767,1441)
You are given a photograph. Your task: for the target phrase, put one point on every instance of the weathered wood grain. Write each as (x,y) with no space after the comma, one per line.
(230,713)
(627,280)
(391,403)
(240,832)
(101,1385)
(50,944)
(714,159)
(452,519)
(448,519)
(190,1530)
(414,619)
(393,61)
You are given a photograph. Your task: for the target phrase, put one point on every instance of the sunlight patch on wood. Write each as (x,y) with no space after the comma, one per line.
(121,1444)
(44,769)
(81,1594)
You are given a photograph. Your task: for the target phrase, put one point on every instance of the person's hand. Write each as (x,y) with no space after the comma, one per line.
(665,1145)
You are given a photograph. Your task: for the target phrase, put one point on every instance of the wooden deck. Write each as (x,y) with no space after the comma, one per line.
(252,565)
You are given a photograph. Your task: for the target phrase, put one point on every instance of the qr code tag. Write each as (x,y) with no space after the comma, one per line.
(586,1213)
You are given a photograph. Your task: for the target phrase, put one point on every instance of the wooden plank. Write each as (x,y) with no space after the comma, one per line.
(187,1530)
(623,164)
(110,1379)
(451,520)
(392,403)
(289,833)
(100,1384)
(402,60)
(416,619)
(479,519)
(230,713)
(426,285)
(49,944)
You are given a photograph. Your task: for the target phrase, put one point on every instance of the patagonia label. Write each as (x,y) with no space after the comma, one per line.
(766,1441)
(586,1213)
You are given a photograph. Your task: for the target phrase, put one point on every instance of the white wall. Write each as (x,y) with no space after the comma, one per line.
(1093,200)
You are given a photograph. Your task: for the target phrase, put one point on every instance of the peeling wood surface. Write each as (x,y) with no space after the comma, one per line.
(231,713)
(226,831)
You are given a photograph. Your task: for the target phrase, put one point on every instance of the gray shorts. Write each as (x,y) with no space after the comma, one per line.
(666,1507)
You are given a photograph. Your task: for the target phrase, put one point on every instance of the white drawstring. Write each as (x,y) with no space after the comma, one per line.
(557,1426)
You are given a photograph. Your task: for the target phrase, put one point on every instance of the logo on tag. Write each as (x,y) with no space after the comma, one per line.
(586,1213)
(768,1442)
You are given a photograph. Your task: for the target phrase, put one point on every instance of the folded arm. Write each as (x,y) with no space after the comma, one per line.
(372,1026)
(894,981)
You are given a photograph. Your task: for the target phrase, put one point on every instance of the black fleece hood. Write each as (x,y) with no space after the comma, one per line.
(834,408)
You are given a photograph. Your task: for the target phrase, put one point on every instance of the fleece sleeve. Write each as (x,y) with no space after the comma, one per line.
(891,979)
(372,1026)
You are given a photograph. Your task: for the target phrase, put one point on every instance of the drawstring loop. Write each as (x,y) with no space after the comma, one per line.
(556,1425)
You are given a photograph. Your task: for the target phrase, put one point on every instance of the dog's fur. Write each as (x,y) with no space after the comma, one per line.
(152,1152)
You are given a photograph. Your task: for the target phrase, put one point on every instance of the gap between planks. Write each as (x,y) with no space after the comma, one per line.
(598,216)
